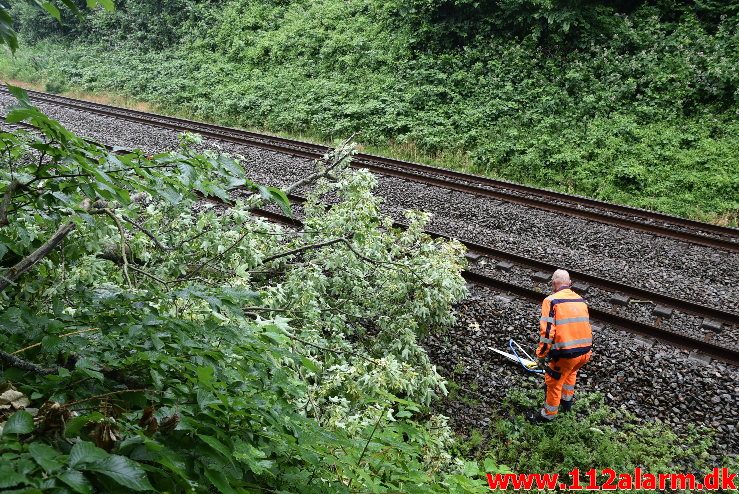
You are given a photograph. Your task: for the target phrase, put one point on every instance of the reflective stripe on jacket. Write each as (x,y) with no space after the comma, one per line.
(564,327)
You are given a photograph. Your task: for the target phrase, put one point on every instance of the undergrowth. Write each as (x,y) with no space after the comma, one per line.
(638,108)
(593,435)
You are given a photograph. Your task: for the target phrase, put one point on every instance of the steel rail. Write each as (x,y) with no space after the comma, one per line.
(419,173)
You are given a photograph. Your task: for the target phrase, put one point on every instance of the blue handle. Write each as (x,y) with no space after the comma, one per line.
(535,370)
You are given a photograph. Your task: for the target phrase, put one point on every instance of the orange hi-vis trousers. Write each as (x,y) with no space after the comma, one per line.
(560,379)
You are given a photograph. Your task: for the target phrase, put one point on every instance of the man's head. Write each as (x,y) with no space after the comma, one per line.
(560,279)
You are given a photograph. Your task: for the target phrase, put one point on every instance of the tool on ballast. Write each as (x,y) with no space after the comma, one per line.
(529,364)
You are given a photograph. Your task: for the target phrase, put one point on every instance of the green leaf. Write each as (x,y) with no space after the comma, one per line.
(21,422)
(278,196)
(216,445)
(471,469)
(220,481)
(77,481)
(19,114)
(85,452)
(170,194)
(9,477)
(46,456)
(51,9)
(75,425)
(71,6)
(50,343)
(19,93)
(122,470)
(205,398)
(107,5)
(310,365)
(7,34)
(92,373)
(205,374)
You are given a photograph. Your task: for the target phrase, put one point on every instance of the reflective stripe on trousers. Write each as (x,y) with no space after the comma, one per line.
(562,387)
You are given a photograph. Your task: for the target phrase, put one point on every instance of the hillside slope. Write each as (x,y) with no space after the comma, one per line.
(632,102)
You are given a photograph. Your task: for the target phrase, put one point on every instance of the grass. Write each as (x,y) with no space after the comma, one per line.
(592,436)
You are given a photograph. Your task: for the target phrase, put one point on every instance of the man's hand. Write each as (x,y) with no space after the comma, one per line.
(541,362)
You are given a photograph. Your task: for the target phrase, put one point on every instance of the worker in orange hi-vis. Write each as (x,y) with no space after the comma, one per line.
(565,345)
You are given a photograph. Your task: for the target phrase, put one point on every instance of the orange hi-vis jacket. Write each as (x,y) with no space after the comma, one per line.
(564,326)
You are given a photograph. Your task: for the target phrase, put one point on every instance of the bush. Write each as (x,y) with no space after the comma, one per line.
(55,87)
(644,116)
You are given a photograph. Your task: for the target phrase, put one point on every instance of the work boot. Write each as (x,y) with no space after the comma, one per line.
(535,417)
(565,406)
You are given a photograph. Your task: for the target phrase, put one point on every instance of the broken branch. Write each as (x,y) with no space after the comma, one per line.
(7,197)
(28,262)
(304,248)
(22,364)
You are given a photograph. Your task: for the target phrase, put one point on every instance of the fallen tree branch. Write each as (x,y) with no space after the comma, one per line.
(9,277)
(7,197)
(28,262)
(147,233)
(19,363)
(258,203)
(112,393)
(60,336)
(200,266)
(332,350)
(369,439)
(303,248)
(155,278)
(329,168)
(391,263)
(109,172)
(122,233)
(266,309)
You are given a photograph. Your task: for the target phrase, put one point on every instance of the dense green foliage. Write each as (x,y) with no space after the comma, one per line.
(589,439)
(151,340)
(632,101)
(161,347)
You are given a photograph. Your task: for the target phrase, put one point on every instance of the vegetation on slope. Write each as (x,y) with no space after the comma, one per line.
(153,341)
(633,102)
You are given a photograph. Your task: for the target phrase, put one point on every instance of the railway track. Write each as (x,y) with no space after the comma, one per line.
(694,232)
(676,338)
(657,382)
(505,260)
